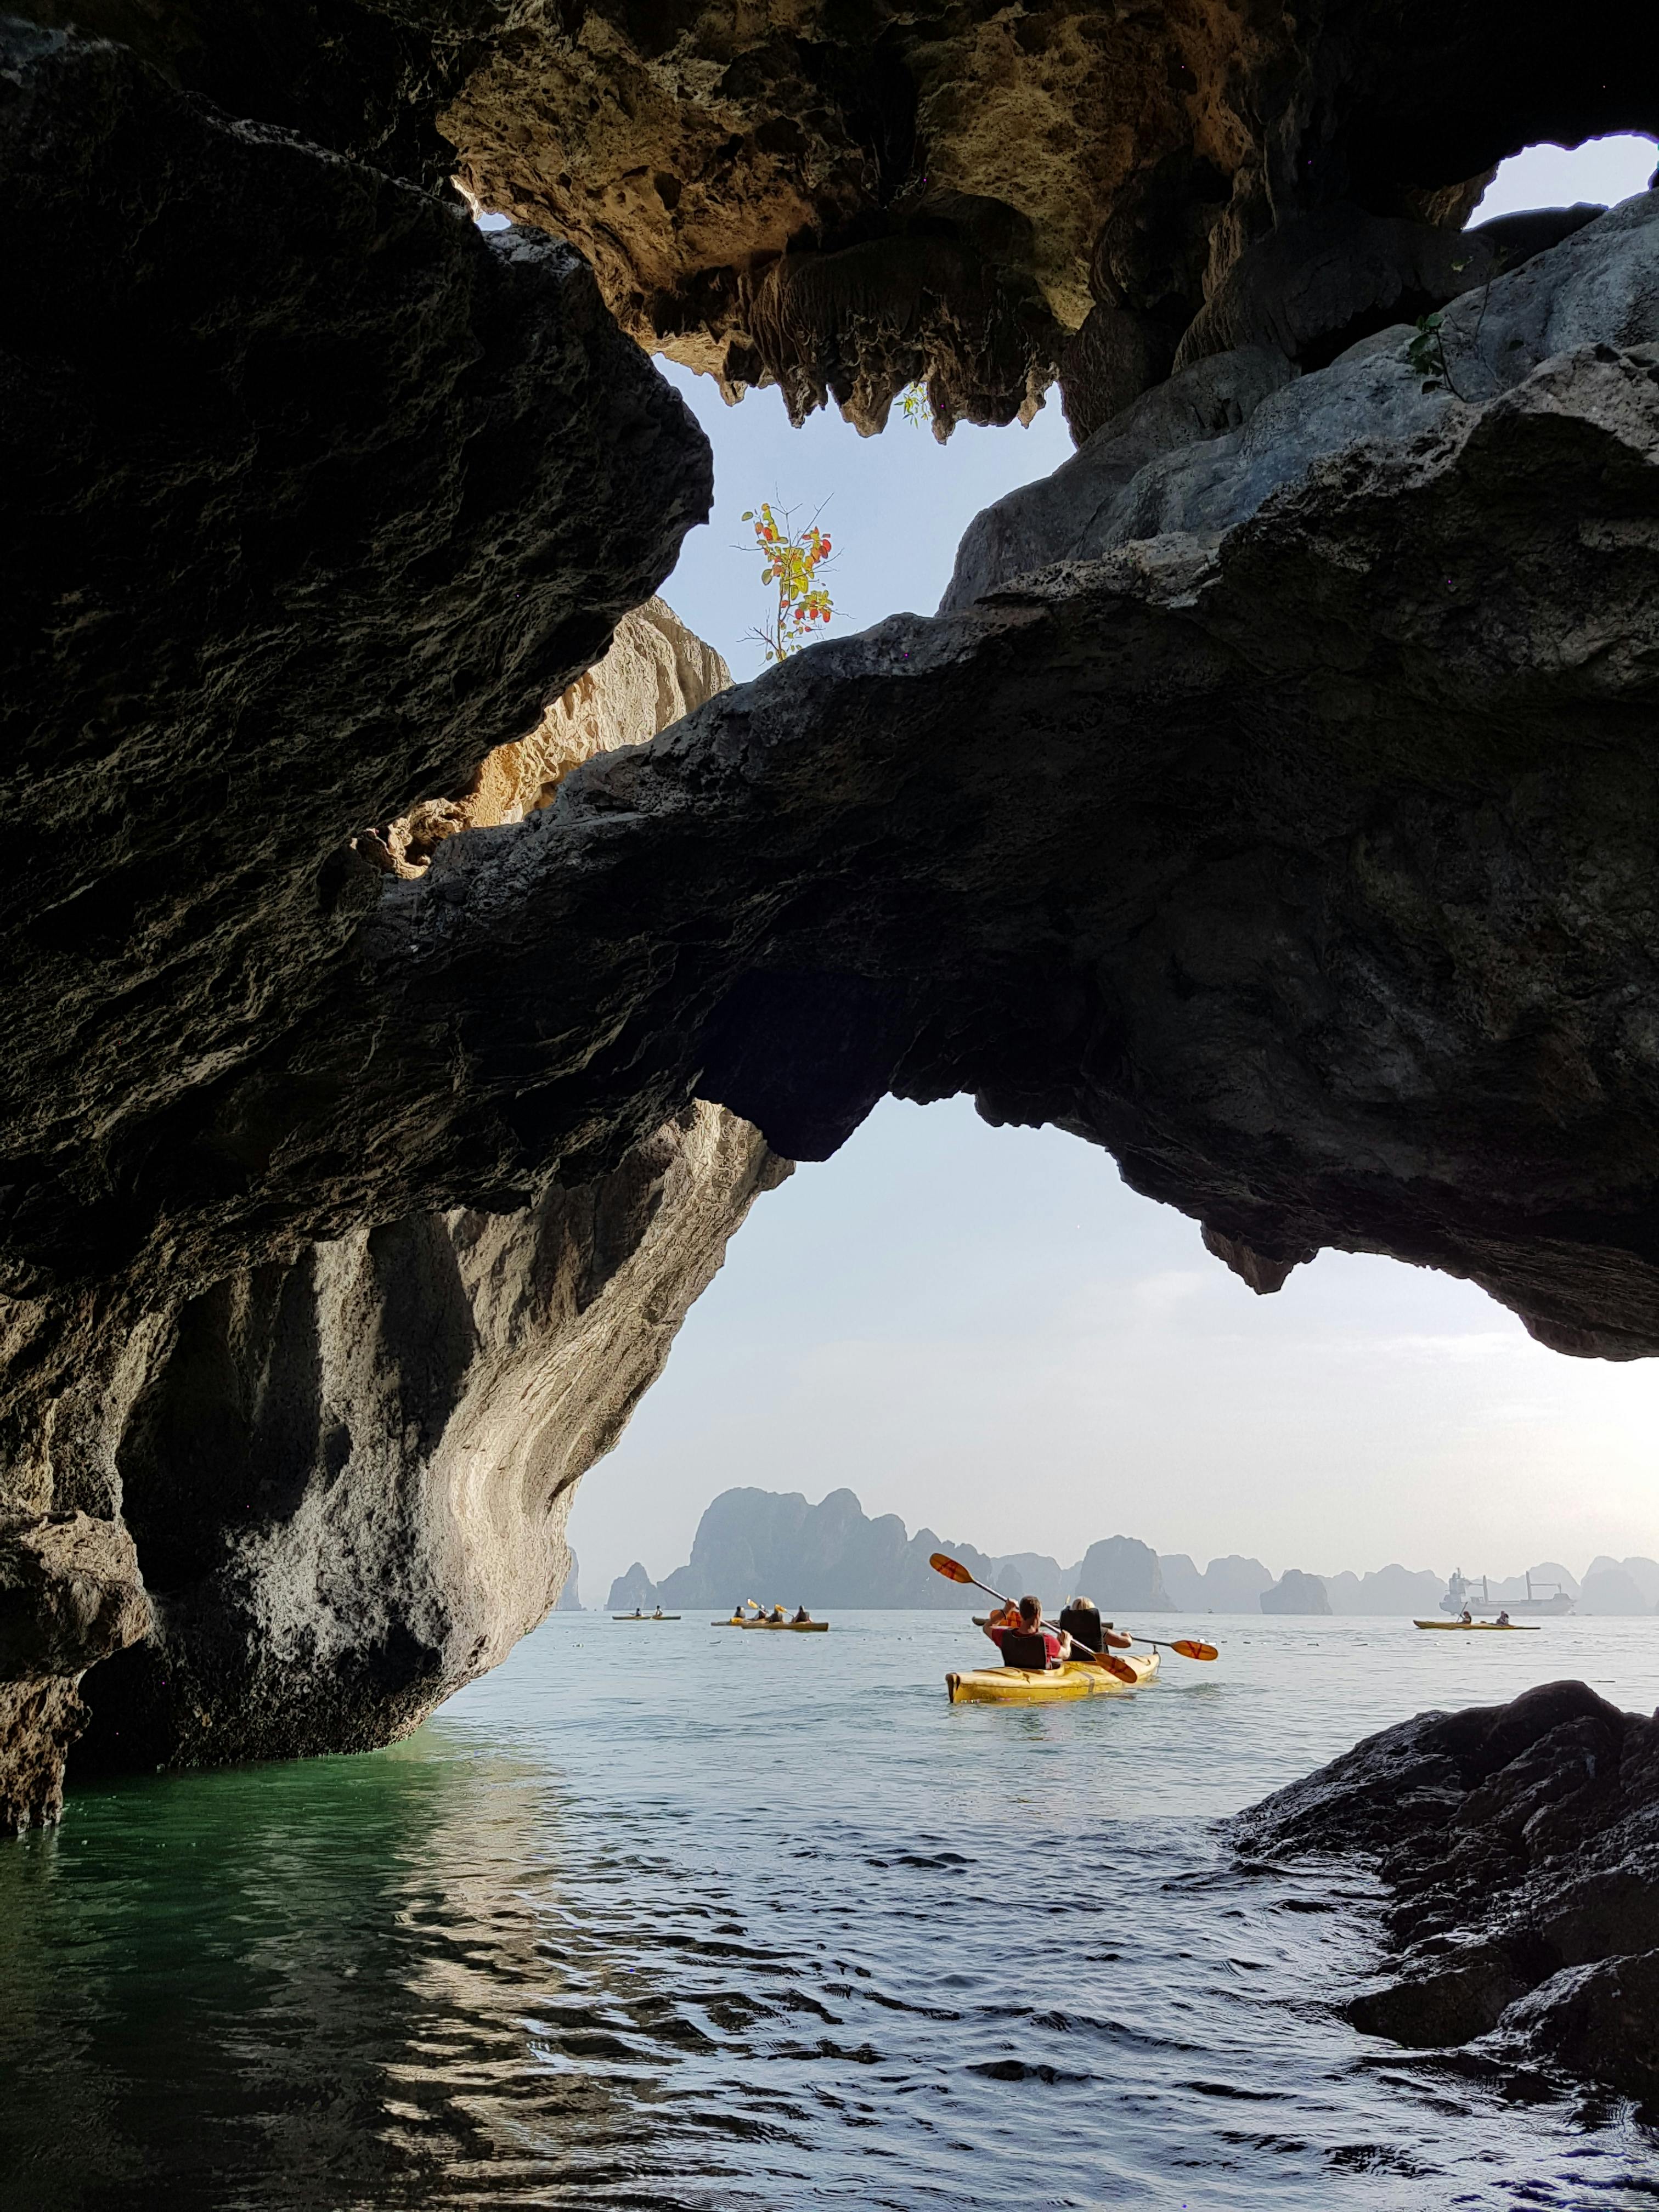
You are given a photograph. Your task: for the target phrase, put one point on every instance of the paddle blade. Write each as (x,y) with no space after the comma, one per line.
(1190,1647)
(1120,1668)
(952,1570)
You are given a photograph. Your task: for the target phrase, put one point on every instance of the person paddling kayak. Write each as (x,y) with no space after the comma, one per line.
(1090,1635)
(1029,1645)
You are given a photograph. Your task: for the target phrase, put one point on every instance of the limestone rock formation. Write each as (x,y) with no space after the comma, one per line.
(1296,1592)
(312,494)
(841,198)
(70,1594)
(349,1479)
(1229,1585)
(774,1545)
(652,673)
(1123,1576)
(1273,804)
(1269,837)
(1516,1843)
(348,1473)
(840,195)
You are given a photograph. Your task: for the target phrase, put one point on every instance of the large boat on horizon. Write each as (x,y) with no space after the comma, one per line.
(1460,1592)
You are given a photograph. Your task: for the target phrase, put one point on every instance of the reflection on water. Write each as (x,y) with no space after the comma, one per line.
(654,1918)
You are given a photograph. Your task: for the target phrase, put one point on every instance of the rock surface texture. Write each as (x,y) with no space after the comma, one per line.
(1290,834)
(1520,1846)
(312,495)
(349,1480)
(348,1473)
(839,197)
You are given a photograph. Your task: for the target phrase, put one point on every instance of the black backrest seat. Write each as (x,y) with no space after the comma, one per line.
(1083,1623)
(1019,1650)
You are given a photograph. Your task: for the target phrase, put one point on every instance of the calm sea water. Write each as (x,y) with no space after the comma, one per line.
(663,1916)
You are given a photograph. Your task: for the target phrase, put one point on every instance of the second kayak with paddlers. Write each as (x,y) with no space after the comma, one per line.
(1080,1656)
(800,1623)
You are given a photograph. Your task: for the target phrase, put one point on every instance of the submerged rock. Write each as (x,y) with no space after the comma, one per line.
(1520,1846)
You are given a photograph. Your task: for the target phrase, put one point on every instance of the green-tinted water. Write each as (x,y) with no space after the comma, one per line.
(660,1916)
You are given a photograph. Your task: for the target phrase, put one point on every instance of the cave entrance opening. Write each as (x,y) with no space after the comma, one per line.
(986,1333)
(1600,172)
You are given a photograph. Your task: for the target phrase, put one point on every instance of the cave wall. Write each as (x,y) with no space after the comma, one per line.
(314,499)
(1271,803)
(348,1482)
(345,1477)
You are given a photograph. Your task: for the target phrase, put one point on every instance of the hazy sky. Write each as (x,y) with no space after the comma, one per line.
(983,1330)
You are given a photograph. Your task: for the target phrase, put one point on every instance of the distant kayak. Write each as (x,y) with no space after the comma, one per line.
(645,1616)
(800,1627)
(1027,1685)
(1491,1627)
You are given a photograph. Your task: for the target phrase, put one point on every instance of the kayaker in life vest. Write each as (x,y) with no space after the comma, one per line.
(801,1613)
(1503,1621)
(1027,1636)
(1089,1634)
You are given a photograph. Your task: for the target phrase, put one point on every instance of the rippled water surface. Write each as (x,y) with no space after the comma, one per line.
(665,1916)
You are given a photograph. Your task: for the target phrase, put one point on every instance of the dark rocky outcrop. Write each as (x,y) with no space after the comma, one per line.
(347,1473)
(311,495)
(1520,1846)
(70,1594)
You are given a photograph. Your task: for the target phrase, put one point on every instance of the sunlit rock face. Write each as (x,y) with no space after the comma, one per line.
(1516,1843)
(654,672)
(349,1479)
(840,198)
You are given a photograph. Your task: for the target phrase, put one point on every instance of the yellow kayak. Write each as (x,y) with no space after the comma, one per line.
(1493,1627)
(800,1627)
(1025,1686)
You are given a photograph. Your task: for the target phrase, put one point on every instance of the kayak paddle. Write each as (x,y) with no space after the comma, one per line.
(954,1572)
(1189,1647)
